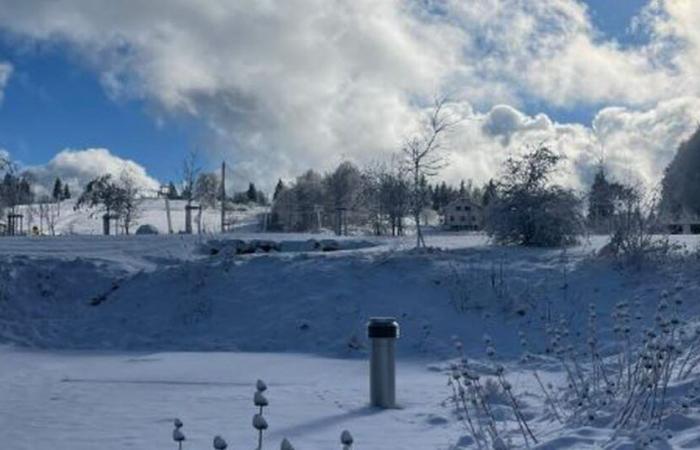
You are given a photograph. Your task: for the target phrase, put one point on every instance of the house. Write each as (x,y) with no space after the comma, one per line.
(463,214)
(682,223)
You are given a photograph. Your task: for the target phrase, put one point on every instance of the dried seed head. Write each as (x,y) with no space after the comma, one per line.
(259,422)
(259,399)
(178,436)
(220,443)
(260,386)
(346,438)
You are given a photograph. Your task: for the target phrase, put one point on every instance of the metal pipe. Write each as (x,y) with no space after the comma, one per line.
(383,331)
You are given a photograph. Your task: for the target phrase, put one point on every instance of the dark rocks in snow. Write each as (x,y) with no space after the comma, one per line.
(233,247)
(147,229)
(329,245)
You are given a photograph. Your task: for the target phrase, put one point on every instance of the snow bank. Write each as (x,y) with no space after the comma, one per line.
(163,292)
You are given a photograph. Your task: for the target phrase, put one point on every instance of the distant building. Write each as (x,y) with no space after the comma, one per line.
(683,223)
(463,214)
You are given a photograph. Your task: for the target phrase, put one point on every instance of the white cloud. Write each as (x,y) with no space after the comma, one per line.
(286,85)
(5,72)
(77,167)
(635,144)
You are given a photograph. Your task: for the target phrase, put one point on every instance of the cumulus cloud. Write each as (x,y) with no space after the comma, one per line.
(5,72)
(634,144)
(287,85)
(77,167)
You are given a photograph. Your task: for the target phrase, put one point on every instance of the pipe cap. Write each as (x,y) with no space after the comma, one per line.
(382,327)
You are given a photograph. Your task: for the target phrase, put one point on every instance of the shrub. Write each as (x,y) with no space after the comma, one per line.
(527,210)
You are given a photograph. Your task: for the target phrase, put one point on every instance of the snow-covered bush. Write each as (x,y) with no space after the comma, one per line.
(634,241)
(527,210)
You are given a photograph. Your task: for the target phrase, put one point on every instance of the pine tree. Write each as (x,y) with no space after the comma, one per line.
(252,193)
(601,205)
(172,192)
(278,189)
(57,190)
(681,183)
(66,192)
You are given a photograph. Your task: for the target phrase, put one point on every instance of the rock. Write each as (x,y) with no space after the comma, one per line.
(147,229)
(329,245)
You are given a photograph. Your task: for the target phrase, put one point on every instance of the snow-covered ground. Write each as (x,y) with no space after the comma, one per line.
(79,401)
(84,221)
(96,327)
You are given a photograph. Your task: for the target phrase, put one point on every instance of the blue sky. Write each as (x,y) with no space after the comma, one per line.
(257,92)
(54,102)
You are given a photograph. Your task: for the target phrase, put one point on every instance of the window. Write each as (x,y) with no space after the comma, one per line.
(467,208)
(458,208)
(452,218)
(464,218)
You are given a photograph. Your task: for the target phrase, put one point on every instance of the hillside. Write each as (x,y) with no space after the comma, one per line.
(151,212)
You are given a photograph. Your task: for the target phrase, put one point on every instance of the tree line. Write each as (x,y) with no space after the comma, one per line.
(521,205)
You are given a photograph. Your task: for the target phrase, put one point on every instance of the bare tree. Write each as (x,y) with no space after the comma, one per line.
(343,187)
(190,173)
(48,214)
(129,205)
(423,158)
(207,189)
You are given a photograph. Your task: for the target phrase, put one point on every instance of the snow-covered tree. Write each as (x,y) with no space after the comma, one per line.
(681,182)
(422,158)
(527,209)
(207,189)
(57,193)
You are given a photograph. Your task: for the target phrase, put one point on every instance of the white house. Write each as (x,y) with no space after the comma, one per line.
(463,214)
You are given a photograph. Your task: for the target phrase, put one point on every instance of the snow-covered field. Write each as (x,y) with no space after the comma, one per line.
(106,339)
(152,211)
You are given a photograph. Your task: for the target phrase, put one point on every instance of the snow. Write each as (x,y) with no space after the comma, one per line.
(108,339)
(78,401)
(152,211)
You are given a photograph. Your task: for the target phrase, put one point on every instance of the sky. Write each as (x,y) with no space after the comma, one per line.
(275,87)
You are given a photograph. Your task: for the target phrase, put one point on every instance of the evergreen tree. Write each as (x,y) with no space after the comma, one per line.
(66,192)
(601,201)
(278,189)
(252,193)
(681,184)
(172,192)
(57,194)
(490,193)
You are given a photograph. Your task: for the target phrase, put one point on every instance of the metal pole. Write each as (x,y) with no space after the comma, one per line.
(383,331)
(167,214)
(223,196)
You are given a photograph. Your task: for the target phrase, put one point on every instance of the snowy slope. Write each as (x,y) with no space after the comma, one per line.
(167,292)
(123,301)
(152,212)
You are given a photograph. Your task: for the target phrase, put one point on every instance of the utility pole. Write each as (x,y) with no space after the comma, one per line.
(223,197)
